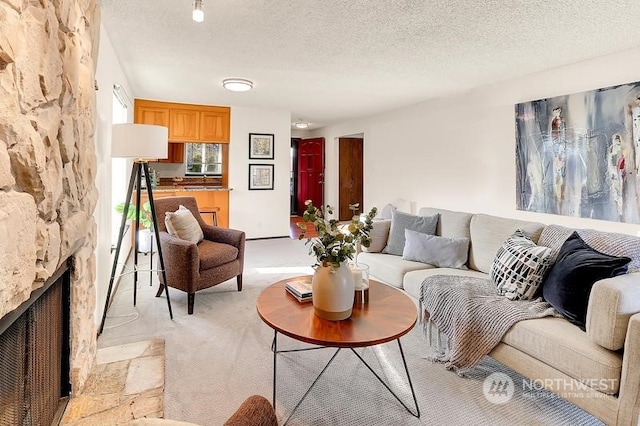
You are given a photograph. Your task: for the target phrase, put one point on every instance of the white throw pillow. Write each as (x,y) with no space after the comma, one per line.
(519,267)
(379,235)
(183,225)
(442,252)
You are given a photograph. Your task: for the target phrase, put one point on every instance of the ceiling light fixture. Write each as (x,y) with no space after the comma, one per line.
(237,84)
(301,124)
(198,13)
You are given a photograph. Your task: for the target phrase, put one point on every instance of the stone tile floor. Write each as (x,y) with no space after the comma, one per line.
(126,383)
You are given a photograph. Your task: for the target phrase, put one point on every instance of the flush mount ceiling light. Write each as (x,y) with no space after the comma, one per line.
(301,124)
(198,13)
(237,84)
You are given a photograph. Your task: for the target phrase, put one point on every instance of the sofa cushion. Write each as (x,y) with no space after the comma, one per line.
(611,304)
(568,349)
(389,268)
(489,232)
(183,225)
(450,223)
(402,221)
(413,280)
(443,252)
(519,267)
(379,235)
(611,243)
(576,269)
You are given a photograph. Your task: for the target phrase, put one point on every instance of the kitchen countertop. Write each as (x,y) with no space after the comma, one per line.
(172,188)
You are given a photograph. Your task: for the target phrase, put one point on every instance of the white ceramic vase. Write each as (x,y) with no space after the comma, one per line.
(333,292)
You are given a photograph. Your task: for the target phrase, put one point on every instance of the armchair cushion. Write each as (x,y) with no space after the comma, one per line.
(183,224)
(215,254)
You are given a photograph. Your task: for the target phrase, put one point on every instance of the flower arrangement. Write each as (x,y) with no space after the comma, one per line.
(335,243)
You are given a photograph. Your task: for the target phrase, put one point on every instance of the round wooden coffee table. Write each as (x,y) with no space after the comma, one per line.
(388,315)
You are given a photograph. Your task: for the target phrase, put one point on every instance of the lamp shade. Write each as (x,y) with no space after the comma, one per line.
(139,141)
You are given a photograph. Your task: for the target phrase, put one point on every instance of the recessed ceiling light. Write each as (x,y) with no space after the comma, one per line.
(237,84)
(198,13)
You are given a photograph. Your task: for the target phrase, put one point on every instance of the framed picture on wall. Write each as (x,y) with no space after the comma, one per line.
(260,176)
(261,146)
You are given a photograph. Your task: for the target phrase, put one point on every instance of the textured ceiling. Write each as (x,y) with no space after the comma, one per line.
(328,61)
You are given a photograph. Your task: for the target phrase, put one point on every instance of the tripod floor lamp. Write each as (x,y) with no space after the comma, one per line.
(140,142)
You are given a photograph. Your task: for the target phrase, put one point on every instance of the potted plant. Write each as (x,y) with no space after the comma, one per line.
(145,234)
(332,283)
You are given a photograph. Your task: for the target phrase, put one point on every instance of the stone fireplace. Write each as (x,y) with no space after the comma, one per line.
(48,162)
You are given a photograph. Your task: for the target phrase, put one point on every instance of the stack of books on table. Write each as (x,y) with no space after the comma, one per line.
(300,289)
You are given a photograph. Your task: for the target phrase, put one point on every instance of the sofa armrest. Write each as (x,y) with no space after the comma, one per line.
(181,261)
(611,303)
(254,411)
(629,396)
(232,237)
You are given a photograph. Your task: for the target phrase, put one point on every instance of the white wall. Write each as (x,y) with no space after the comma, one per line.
(108,73)
(262,213)
(459,153)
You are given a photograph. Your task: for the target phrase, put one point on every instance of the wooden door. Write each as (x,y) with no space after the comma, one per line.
(310,172)
(350,176)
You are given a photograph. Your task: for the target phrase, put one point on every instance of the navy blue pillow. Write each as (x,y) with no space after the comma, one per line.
(568,284)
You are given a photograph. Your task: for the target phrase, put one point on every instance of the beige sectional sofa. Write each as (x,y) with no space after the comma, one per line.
(598,370)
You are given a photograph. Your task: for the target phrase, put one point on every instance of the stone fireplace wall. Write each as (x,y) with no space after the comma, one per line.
(48,195)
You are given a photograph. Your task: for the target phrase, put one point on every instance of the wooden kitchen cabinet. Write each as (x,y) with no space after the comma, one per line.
(214,125)
(184,124)
(151,112)
(187,122)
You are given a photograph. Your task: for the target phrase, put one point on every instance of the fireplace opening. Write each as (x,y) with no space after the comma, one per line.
(34,349)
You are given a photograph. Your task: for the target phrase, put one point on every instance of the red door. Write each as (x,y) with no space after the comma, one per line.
(310,172)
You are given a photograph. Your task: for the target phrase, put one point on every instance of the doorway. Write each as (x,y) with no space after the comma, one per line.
(309,184)
(350,175)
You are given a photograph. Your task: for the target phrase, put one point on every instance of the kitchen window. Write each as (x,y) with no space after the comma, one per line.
(203,159)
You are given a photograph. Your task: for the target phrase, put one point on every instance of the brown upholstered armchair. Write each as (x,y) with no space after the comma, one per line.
(192,267)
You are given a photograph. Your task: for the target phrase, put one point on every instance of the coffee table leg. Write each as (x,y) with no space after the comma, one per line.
(312,385)
(406,369)
(274,348)
(413,392)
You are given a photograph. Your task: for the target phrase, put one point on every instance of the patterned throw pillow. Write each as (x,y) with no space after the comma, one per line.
(183,225)
(519,267)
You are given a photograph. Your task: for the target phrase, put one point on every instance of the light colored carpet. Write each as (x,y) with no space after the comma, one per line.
(221,355)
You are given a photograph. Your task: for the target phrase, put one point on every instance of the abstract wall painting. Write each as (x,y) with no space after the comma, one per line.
(579,154)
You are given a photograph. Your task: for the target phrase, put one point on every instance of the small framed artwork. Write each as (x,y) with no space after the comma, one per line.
(260,176)
(261,146)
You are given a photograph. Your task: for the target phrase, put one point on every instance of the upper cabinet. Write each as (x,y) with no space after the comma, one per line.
(214,124)
(186,122)
(149,112)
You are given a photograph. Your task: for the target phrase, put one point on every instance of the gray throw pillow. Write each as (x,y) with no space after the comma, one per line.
(402,221)
(442,252)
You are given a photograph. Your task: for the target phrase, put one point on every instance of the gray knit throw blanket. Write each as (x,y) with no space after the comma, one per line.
(472,317)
